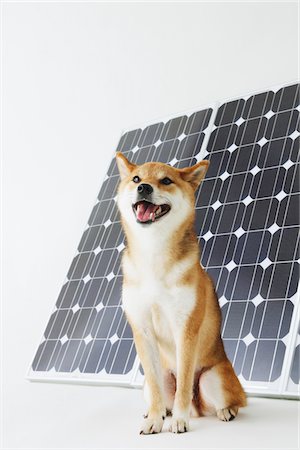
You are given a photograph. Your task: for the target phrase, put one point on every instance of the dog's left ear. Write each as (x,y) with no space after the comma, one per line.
(125,167)
(196,173)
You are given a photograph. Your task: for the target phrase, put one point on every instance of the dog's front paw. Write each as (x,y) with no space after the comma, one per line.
(179,424)
(152,424)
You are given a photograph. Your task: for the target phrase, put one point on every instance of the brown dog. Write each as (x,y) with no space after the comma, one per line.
(170,301)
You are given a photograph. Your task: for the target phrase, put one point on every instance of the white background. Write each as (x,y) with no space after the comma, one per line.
(74,76)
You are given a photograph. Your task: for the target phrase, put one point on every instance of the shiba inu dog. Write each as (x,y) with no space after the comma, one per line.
(169,299)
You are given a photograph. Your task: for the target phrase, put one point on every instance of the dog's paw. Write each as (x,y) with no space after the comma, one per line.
(227,414)
(179,425)
(152,424)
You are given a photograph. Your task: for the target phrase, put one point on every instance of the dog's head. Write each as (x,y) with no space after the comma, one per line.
(155,194)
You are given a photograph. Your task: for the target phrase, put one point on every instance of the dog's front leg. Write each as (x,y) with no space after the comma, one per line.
(148,353)
(185,355)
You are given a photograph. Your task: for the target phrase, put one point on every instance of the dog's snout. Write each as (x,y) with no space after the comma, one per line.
(145,189)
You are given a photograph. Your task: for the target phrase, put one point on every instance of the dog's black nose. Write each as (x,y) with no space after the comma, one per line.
(145,189)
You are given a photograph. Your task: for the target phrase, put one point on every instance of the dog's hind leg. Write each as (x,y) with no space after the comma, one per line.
(220,390)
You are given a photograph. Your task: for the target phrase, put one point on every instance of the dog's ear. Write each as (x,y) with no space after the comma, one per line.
(196,173)
(125,167)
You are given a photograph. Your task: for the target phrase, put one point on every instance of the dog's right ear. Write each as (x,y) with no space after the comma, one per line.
(125,167)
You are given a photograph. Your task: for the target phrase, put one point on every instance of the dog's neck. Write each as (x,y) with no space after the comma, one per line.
(152,242)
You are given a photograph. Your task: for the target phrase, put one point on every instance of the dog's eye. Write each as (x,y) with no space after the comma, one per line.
(166,181)
(136,179)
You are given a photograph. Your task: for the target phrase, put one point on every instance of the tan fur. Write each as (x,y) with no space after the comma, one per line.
(179,346)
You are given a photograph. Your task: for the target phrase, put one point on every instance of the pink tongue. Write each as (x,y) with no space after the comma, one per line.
(144,211)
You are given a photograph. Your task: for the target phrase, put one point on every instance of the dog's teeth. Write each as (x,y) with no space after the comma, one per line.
(158,211)
(152,216)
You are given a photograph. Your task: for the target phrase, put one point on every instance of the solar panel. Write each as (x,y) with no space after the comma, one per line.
(87,337)
(247,220)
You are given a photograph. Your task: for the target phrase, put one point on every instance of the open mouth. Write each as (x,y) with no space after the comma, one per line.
(147,212)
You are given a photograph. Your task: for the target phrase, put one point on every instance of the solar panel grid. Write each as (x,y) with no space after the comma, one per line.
(246,209)
(237,111)
(83,341)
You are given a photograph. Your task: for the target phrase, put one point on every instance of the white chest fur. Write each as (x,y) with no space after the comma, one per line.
(153,295)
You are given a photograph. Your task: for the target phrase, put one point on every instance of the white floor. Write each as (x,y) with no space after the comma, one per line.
(71,416)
